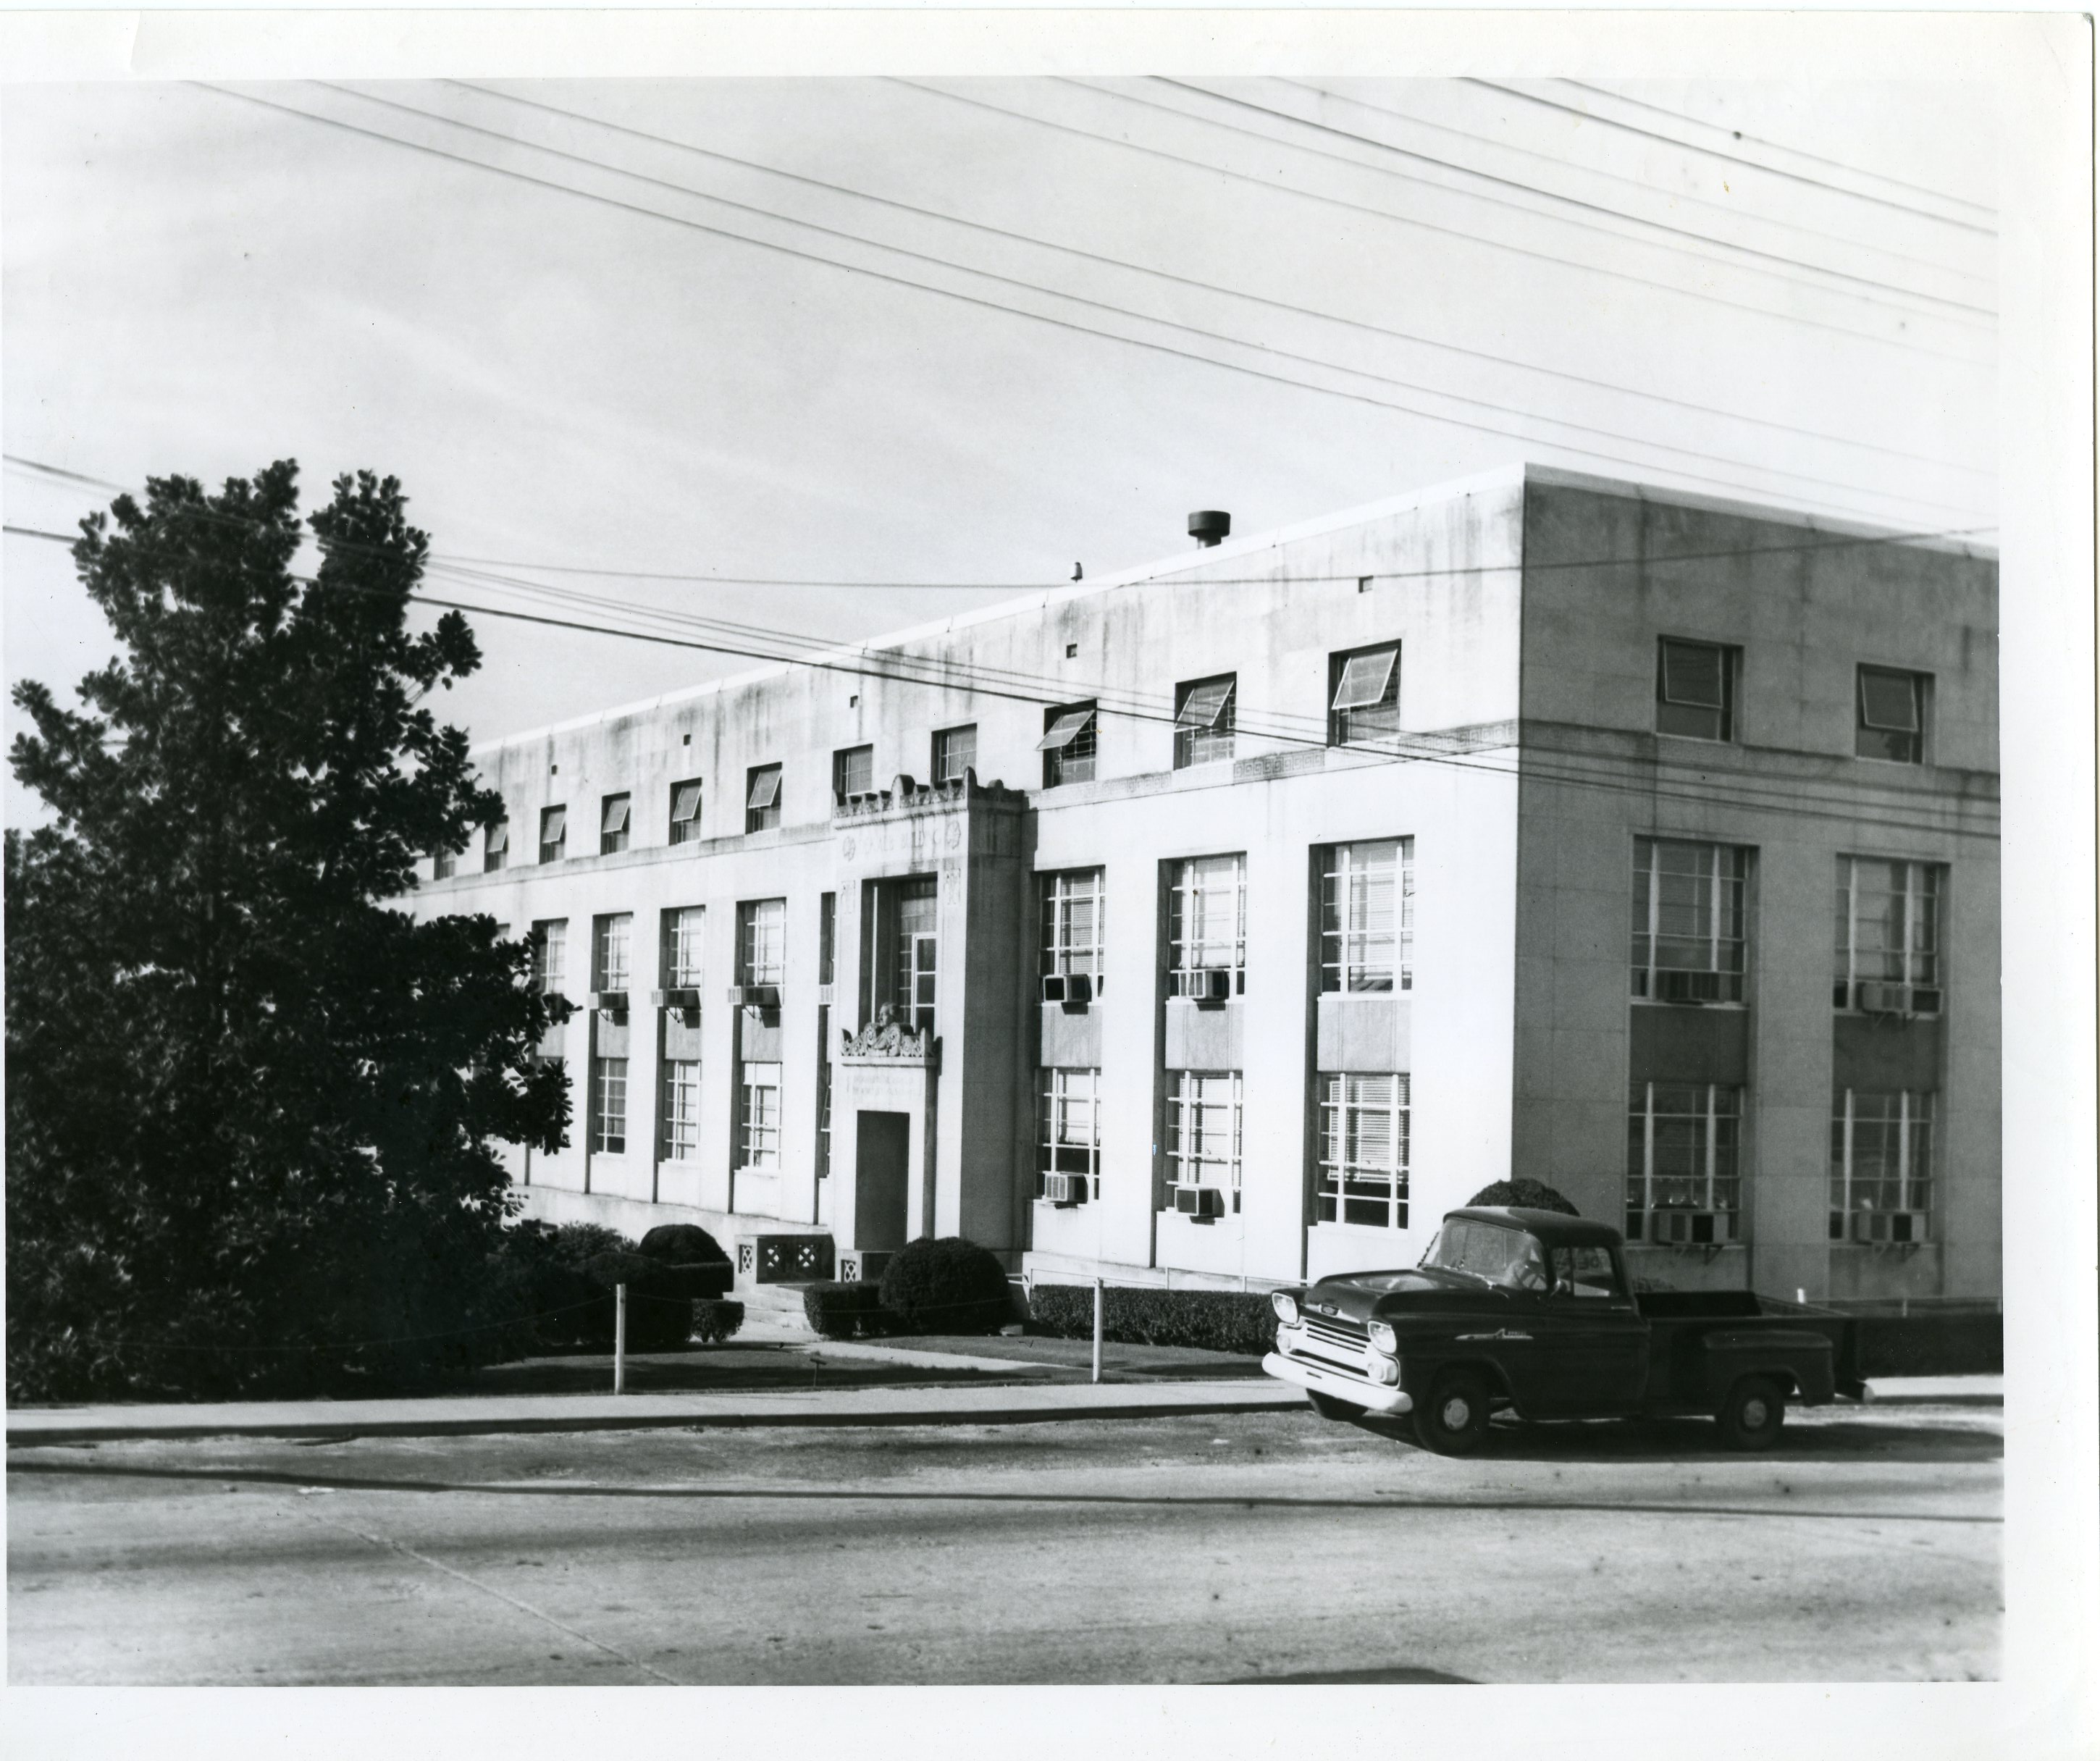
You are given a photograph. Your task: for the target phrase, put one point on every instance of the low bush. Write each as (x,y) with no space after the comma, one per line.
(715,1320)
(660,1300)
(1529,1194)
(1221,1320)
(1960,1343)
(947,1286)
(848,1310)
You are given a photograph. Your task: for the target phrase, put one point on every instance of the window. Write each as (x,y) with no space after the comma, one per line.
(1888,937)
(612,941)
(1203,1133)
(1073,925)
(853,772)
(1891,716)
(495,845)
(824,1093)
(1203,716)
(761,942)
(1881,1166)
(1688,940)
(612,825)
(444,863)
(1363,1150)
(681,1109)
(1067,745)
(685,812)
(1585,1274)
(1695,689)
(828,936)
(955,751)
(550,953)
(609,1106)
(553,833)
(685,931)
(1683,1179)
(1363,696)
(1367,916)
(758,1117)
(1206,927)
(1068,1135)
(913,951)
(761,805)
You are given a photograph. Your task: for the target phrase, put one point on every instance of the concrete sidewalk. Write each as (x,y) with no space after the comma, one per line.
(1936,1391)
(1036,1403)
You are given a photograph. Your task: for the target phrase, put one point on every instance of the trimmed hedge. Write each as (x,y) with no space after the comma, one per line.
(1959,1344)
(1530,1194)
(1221,1320)
(950,1285)
(681,1244)
(846,1310)
(714,1320)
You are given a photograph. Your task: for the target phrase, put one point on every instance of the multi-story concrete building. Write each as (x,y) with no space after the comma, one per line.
(1227,920)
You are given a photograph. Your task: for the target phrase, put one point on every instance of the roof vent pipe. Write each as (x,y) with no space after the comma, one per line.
(1209,525)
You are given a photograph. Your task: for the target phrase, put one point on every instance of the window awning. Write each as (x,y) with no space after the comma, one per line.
(554,823)
(1364,679)
(1888,701)
(765,788)
(1691,675)
(1067,728)
(499,837)
(1205,705)
(615,813)
(686,804)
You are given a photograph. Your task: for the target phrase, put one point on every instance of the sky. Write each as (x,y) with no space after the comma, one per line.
(1058,314)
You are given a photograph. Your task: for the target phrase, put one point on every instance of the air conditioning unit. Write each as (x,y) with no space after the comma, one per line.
(1204,984)
(755,996)
(1674,987)
(609,1002)
(1065,1190)
(1687,1228)
(1924,1001)
(1199,1201)
(1067,987)
(823,995)
(682,997)
(1889,1227)
(1885,999)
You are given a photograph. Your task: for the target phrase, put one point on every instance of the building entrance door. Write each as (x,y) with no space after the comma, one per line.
(882,1180)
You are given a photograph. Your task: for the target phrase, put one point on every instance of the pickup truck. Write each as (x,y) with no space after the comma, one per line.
(1532,1311)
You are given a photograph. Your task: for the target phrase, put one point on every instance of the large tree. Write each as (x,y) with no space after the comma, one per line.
(253,1107)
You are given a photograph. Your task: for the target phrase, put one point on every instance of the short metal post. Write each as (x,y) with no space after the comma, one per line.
(620,1339)
(1097,1329)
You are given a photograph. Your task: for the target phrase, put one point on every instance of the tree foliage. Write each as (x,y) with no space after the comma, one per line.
(251,1107)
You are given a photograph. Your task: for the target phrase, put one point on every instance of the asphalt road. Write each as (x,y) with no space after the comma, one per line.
(1269,1547)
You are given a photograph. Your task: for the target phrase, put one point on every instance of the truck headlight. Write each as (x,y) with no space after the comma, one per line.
(1383,1338)
(1285,1306)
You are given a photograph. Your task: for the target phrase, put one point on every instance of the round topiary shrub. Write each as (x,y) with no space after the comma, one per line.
(947,1286)
(1528,1194)
(681,1244)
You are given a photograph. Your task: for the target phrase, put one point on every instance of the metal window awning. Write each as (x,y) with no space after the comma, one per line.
(1364,679)
(1888,701)
(1205,704)
(1691,675)
(686,804)
(765,788)
(554,823)
(499,837)
(1067,728)
(615,813)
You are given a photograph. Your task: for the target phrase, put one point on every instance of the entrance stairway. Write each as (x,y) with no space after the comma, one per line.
(775,1307)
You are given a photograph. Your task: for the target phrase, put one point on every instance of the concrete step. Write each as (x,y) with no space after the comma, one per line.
(772,1305)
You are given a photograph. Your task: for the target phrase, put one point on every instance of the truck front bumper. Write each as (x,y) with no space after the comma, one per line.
(1337,1384)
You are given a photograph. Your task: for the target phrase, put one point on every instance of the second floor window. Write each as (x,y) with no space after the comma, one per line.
(1206,927)
(553,833)
(1888,937)
(1073,926)
(1203,720)
(955,751)
(444,863)
(551,954)
(1695,689)
(612,943)
(761,942)
(685,812)
(1367,916)
(1363,696)
(761,805)
(495,845)
(1067,745)
(1890,721)
(914,949)
(684,935)
(853,772)
(612,824)
(1688,939)
(1683,1181)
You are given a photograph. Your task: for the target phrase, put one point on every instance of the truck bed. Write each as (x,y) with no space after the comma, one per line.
(1691,1331)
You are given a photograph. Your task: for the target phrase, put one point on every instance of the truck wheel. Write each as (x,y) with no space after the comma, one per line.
(1750,1417)
(1455,1419)
(1339,1410)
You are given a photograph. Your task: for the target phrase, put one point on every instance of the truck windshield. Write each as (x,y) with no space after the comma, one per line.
(1497,1255)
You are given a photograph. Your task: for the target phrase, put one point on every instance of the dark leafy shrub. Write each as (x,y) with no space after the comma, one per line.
(1529,1194)
(846,1310)
(1221,1320)
(682,1244)
(539,1269)
(714,1320)
(947,1286)
(660,1300)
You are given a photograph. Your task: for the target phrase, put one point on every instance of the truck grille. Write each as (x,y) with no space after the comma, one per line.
(1335,1341)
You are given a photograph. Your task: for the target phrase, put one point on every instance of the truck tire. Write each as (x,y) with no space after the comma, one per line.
(1751,1416)
(1341,1411)
(1455,1419)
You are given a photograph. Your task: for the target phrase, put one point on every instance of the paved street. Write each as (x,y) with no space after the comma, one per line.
(1188,1549)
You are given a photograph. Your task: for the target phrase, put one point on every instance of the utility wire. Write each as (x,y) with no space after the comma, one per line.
(1211,287)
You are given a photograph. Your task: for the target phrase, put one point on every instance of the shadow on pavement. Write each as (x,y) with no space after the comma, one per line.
(710,1370)
(1396,1672)
(1666,1440)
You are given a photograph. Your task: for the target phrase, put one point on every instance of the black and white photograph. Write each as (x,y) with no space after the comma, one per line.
(937,852)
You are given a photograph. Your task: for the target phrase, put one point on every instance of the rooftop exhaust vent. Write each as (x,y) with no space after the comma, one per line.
(1209,525)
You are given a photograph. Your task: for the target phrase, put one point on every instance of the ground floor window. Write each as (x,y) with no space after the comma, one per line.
(1881,1166)
(1068,1136)
(1203,1139)
(609,1105)
(1683,1179)
(758,1117)
(681,1109)
(824,1093)
(1363,1150)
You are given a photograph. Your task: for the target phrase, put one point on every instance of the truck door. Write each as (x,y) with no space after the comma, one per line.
(1592,1344)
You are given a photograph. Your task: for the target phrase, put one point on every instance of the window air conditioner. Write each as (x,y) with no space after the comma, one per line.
(1897,1227)
(1687,1228)
(823,995)
(609,1002)
(755,995)
(1204,984)
(678,997)
(1672,985)
(1885,999)
(1067,987)
(1199,1201)
(1924,1001)
(1064,1190)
